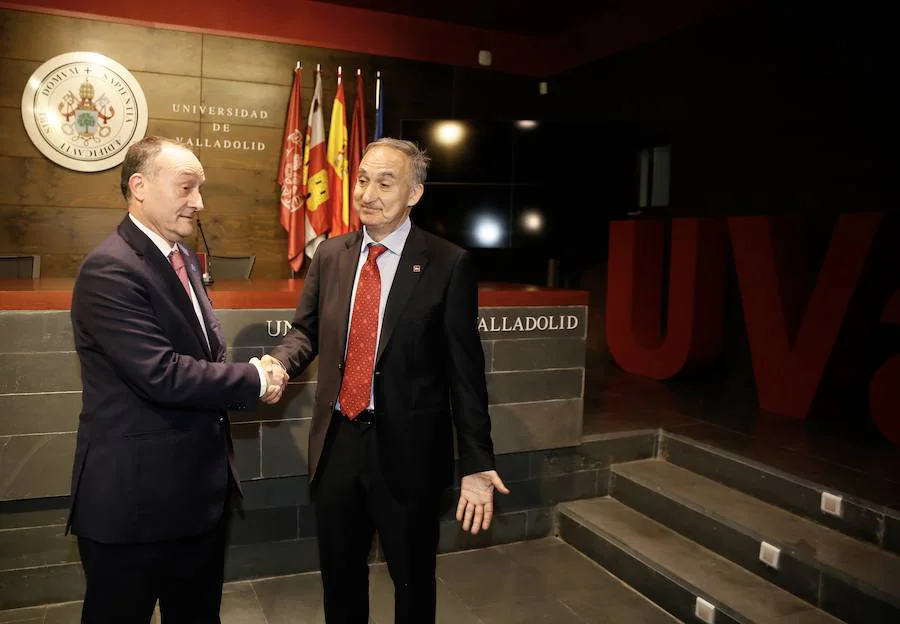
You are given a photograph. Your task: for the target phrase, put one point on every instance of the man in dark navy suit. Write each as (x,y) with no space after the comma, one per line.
(153,473)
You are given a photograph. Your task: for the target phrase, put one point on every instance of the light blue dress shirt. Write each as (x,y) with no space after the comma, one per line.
(387,267)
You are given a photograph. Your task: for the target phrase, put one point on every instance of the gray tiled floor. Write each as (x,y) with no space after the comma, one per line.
(541,581)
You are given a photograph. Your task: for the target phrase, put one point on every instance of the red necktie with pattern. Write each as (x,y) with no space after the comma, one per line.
(357,385)
(177,262)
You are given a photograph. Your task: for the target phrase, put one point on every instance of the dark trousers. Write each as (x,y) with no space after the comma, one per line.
(124,581)
(351,502)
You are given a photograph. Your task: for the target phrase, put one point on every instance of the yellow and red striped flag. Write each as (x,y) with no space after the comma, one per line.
(338,192)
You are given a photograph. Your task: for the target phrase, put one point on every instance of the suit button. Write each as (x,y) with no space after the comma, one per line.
(378,373)
(341,366)
(221,419)
(331,405)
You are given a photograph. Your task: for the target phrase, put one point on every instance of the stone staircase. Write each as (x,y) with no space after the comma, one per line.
(691,528)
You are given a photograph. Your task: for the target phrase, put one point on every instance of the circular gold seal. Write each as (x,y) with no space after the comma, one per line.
(82,110)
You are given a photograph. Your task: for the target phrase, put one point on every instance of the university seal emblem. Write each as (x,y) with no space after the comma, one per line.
(82,110)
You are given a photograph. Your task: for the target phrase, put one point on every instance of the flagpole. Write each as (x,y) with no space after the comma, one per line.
(379,111)
(297,67)
(377,90)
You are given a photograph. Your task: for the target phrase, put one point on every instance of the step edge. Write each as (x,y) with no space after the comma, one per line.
(876,508)
(649,564)
(677,579)
(615,435)
(814,562)
(41,567)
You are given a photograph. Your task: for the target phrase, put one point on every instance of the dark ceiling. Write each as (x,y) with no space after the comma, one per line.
(524,17)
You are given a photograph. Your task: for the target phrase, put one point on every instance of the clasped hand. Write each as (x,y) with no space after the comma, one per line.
(276,378)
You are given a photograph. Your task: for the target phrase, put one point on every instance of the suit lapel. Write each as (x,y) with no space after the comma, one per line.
(160,264)
(347,263)
(413,263)
(213,326)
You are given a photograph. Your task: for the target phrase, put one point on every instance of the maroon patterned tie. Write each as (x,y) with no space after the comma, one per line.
(177,262)
(357,385)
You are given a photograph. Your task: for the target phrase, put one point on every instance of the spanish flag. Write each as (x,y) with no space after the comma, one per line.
(338,175)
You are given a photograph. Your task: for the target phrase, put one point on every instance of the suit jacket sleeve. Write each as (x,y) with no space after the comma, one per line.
(468,390)
(114,306)
(300,345)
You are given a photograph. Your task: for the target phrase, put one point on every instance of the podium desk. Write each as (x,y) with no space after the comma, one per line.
(534,346)
(533,339)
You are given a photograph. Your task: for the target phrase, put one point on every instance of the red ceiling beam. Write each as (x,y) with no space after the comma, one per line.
(324,25)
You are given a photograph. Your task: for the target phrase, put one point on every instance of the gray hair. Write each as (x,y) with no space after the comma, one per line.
(418,159)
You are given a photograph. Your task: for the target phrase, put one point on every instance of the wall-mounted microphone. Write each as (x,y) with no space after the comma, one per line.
(207,274)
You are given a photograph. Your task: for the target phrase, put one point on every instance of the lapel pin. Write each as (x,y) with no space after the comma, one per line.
(417,268)
(193,268)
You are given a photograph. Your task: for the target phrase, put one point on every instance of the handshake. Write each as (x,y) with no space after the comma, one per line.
(276,378)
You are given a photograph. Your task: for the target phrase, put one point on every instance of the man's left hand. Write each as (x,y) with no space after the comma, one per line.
(476,500)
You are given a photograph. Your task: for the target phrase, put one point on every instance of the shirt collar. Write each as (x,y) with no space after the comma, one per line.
(164,247)
(395,241)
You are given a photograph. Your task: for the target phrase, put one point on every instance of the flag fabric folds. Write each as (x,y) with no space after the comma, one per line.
(357,145)
(290,178)
(379,107)
(316,189)
(338,176)
(315,174)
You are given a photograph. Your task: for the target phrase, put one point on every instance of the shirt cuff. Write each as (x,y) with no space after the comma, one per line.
(263,382)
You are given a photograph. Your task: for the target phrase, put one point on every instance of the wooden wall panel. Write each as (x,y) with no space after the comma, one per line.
(170,97)
(240,232)
(62,214)
(40,182)
(38,37)
(268,62)
(171,130)
(240,190)
(245,98)
(15,73)
(61,264)
(257,148)
(48,229)
(14,140)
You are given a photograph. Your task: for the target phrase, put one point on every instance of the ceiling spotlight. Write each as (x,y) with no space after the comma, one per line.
(488,231)
(449,132)
(526,124)
(532,221)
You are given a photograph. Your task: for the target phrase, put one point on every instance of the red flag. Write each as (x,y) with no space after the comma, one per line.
(357,143)
(289,178)
(338,193)
(315,174)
